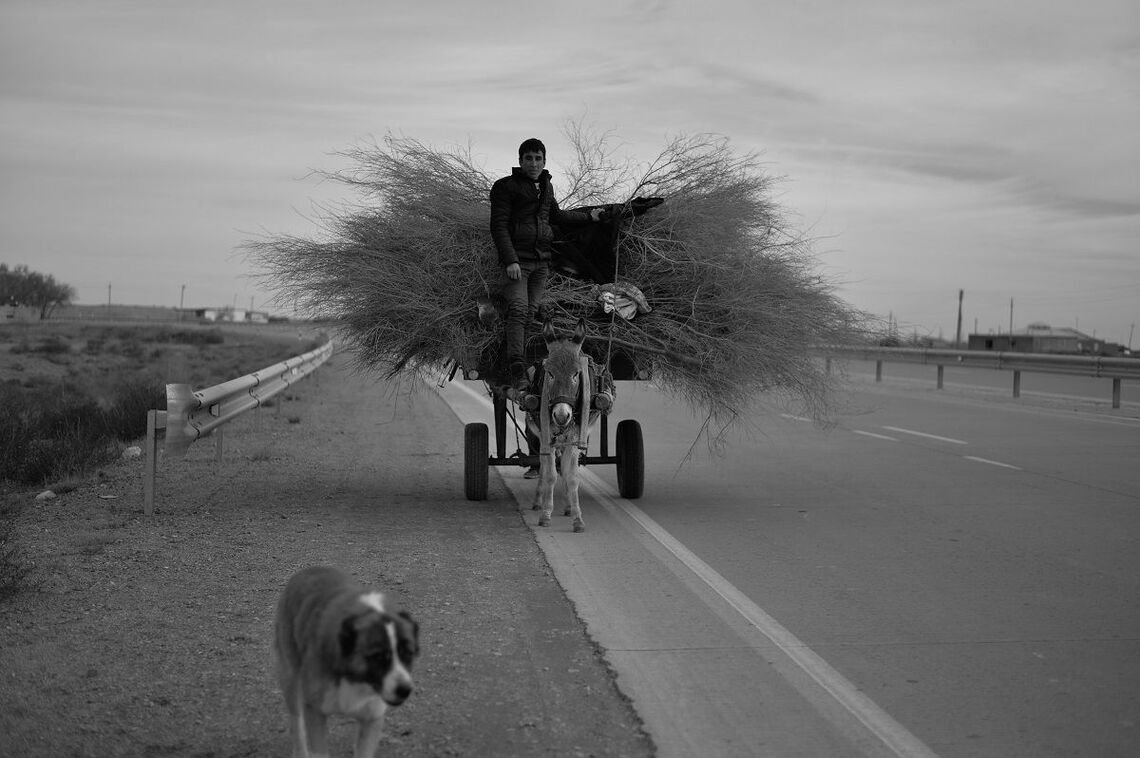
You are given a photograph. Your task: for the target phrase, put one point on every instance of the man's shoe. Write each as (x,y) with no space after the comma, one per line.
(531,473)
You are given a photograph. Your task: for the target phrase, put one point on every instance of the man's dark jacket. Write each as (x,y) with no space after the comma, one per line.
(522,215)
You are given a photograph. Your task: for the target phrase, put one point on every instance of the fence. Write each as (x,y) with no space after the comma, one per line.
(191,415)
(1117,369)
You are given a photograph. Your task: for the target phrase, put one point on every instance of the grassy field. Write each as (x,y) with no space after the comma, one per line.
(73,396)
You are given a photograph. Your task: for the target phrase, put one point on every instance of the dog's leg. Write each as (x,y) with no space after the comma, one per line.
(570,480)
(544,495)
(297,736)
(316,731)
(297,732)
(368,738)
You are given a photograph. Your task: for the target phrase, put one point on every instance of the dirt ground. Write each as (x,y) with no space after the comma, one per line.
(150,636)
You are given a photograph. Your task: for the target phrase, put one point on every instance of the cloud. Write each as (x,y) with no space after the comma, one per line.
(925,143)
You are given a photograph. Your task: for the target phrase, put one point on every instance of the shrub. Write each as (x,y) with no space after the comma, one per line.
(48,431)
(125,417)
(132,349)
(52,345)
(47,428)
(200,337)
(191,336)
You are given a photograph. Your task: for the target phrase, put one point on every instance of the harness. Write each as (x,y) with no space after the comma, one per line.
(581,405)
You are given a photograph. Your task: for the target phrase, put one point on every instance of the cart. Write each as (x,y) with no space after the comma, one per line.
(588,254)
(628,454)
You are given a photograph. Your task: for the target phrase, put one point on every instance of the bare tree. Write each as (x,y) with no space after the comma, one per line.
(20,286)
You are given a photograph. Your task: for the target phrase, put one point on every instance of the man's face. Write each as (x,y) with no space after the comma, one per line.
(532,164)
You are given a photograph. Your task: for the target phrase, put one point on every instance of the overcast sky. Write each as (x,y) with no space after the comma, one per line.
(929,145)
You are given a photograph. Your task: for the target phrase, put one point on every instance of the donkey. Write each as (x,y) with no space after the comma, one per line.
(563,420)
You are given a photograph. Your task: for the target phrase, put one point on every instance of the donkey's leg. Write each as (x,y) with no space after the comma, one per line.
(565,454)
(570,480)
(544,493)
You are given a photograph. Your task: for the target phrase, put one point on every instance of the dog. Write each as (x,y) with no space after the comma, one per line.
(340,652)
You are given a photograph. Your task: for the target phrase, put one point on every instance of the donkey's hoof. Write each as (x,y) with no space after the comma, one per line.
(544,521)
(579,526)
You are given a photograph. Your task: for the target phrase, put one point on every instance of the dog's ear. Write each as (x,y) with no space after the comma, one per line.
(347,637)
(412,644)
(414,624)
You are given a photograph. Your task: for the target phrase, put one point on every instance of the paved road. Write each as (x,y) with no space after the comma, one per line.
(940,573)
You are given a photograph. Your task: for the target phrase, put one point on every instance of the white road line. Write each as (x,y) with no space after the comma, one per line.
(894,737)
(793,417)
(992,463)
(924,434)
(876,436)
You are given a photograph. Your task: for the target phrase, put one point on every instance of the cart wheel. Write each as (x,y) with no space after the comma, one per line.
(475,461)
(630,459)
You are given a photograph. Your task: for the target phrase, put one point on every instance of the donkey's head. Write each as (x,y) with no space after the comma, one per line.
(563,372)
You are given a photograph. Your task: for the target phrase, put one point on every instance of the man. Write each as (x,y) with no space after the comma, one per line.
(523,208)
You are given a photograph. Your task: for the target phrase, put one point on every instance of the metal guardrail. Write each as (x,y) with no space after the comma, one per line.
(1117,369)
(191,415)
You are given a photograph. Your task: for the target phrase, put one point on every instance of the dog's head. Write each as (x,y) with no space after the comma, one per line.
(378,649)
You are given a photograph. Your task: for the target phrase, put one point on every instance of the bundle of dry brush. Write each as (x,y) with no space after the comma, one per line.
(735,301)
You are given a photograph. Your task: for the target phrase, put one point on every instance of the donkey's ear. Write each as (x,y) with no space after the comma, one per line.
(548,331)
(580,332)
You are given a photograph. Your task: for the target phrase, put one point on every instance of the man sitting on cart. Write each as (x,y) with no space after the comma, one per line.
(523,208)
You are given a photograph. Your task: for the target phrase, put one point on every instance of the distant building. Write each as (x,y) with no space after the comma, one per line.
(1042,338)
(238,315)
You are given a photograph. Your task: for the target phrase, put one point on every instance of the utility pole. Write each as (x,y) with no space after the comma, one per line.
(1011,315)
(108,294)
(1130,330)
(181,302)
(958,334)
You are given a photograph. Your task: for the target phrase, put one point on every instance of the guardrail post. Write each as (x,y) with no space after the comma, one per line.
(218,445)
(827,366)
(155,422)
(1117,369)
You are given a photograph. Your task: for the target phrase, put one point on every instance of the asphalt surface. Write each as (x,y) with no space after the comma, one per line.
(958,559)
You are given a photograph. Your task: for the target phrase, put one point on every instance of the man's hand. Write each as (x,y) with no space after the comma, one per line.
(514,271)
(596,214)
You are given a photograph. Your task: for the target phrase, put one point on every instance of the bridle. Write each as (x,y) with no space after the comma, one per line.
(557,413)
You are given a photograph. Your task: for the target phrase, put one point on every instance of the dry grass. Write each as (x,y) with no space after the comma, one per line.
(73,395)
(736,300)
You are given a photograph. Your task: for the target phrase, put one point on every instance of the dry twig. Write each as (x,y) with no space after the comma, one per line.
(736,303)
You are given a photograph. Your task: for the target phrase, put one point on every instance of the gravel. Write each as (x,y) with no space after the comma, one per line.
(150,636)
